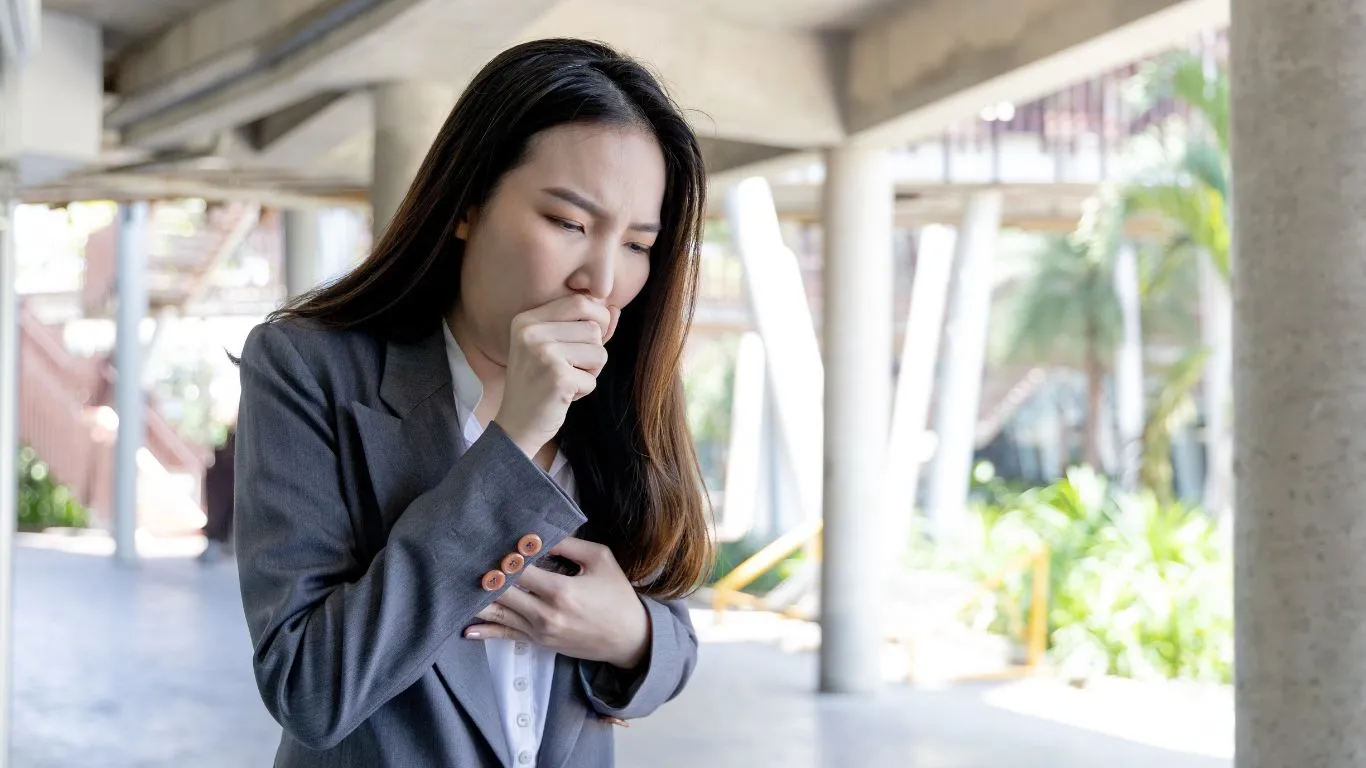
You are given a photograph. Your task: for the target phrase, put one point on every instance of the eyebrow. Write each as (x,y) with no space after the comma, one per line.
(579,201)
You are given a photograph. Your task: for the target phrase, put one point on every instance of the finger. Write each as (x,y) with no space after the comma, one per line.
(528,609)
(505,614)
(614,721)
(572,331)
(583,382)
(585,553)
(585,357)
(612,325)
(545,584)
(494,632)
(574,307)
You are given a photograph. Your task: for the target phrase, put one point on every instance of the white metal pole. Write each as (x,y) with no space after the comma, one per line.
(132,291)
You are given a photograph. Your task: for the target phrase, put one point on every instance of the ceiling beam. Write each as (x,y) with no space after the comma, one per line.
(930,64)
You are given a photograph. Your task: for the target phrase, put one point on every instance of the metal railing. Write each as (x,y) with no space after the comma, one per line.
(728,590)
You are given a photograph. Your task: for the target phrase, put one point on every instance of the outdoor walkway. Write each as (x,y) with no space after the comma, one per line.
(151,667)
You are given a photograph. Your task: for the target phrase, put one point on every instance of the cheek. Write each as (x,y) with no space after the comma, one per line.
(504,269)
(630,281)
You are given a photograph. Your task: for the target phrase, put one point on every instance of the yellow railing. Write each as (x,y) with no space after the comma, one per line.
(1040,564)
(728,590)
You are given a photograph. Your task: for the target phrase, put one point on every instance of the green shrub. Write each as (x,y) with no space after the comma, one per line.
(1137,588)
(43,502)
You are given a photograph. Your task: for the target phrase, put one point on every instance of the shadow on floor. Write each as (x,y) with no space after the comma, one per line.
(152,667)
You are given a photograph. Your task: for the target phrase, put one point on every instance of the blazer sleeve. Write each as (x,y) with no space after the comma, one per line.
(667,667)
(334,639)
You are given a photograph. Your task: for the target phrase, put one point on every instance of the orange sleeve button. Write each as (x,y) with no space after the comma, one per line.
(493,581)
(530,545)
(513,563)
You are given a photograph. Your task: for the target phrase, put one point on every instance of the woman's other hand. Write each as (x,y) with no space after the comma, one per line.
(595,615)
(556,355)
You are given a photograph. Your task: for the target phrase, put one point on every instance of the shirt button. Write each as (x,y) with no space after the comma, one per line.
(524,720)
(520,647)
(525,758)
(520,684)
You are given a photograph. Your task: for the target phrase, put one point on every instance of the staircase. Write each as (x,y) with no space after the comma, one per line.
(183,251)
(65,415)
(66,412)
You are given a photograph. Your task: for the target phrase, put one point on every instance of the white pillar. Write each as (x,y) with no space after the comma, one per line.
(745,452)
(915,379)
(958,382)
(857,328)
(408,116)
(1216,330)
(1129,368)
(777,295)
(303,236)
(1299,381)
(9,432)
(128,394)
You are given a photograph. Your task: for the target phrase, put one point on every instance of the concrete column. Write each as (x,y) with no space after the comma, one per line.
(777,296)
(745,453)
(9,435)
(857,326)
(915,380)
(303,235)
(1216,330)
(958,382)
(1129,369)
(408,116)
(128,395)
(1299,381)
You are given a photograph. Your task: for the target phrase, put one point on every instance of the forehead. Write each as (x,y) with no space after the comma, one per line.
(619,167)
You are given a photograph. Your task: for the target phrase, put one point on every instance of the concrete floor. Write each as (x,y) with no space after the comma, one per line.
(151,667)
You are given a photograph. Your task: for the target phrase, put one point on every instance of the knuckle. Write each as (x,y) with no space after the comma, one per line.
(602,553)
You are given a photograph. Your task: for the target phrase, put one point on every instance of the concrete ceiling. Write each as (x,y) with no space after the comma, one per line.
(275,92)
(819,15)
(126,21)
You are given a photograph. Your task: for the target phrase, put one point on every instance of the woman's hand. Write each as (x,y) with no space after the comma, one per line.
(595,616)
(555,356)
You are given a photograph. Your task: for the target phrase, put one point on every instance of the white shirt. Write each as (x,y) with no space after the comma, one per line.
(522,671)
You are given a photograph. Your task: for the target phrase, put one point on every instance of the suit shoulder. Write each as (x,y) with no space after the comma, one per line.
(331,356)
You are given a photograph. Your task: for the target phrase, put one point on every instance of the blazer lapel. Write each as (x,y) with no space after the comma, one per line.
(568,711)
(407,453)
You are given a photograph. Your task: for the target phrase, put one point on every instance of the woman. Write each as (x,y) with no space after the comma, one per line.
(493,395)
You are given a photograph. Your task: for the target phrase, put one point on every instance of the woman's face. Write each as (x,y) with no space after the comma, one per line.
(579,215)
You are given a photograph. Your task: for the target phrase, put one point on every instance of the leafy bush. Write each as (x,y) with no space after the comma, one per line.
(43,502)
(1137,588)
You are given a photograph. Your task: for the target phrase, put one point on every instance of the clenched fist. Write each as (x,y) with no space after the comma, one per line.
(555,356)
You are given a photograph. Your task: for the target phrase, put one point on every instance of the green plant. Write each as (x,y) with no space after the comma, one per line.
(43,502)
(1138,588)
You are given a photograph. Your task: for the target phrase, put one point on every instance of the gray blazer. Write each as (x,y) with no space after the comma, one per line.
(363,526)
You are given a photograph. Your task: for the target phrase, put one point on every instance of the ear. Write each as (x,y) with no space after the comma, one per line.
(462,229)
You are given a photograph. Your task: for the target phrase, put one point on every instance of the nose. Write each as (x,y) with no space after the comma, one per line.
(597,274)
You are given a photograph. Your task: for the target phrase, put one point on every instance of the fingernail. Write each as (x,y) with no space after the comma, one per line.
(474,634)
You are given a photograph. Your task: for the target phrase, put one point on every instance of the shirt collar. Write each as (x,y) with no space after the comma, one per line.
(468,389)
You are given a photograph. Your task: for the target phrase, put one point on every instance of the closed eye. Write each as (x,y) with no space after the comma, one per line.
(643,250)
(566,224)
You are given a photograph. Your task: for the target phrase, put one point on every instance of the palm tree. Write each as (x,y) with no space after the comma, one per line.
(1189,192)
(1068,311)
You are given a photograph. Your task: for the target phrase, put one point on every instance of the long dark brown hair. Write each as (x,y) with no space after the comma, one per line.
(628,442)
